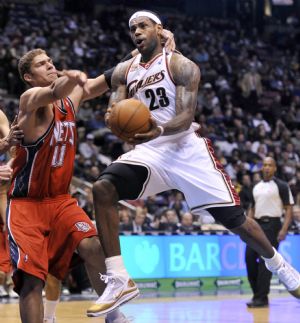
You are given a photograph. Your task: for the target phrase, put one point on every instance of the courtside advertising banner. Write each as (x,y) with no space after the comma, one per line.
(193,256)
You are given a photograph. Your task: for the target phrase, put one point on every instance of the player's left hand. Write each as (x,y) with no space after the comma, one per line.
(5,172)
(107,115)
(168,40)
(15,135)
(281,235)
(140,138)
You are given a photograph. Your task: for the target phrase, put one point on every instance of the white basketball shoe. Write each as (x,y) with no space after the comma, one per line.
(289,277)
(118,291)
(3,293)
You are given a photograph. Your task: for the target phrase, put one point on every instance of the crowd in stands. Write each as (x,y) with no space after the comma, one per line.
(248,101)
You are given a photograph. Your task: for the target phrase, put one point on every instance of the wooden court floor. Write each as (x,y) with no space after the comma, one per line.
(201,309)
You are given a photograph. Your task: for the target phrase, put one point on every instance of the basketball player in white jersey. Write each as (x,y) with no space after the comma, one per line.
(169,156)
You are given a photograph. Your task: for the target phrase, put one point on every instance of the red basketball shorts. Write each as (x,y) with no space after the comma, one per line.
(43,234)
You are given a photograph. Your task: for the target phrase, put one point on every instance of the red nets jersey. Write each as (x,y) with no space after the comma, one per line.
(45,168)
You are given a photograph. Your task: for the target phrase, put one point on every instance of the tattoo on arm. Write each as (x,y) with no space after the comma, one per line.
(118,83)
(186,75)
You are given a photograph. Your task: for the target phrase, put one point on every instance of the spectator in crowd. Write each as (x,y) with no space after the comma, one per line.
(251,89)
(96,122)
(87,148)
(187,224)
(125,220)
(169,221)
(155,223)
(152,204)
(209,99)
(179,204)
(86,112)
(138,224)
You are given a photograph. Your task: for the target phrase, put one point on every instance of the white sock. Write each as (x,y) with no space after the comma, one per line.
(50,308)
(116,265)
(273,263)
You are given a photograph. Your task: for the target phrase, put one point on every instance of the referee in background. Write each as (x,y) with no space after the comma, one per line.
(270,197)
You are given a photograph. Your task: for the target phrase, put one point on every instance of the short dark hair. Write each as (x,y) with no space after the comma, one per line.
(25,62)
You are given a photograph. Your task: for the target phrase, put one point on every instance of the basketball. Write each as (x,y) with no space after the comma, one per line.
(129,117)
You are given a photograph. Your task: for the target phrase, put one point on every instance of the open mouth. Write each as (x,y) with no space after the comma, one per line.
(139,42)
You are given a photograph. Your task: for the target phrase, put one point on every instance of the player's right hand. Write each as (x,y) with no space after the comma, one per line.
(79,77)
(153,133)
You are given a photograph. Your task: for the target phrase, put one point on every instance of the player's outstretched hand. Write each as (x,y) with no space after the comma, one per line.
(5,172)
(79,77)
(15,134)
(153,133)
(168,40)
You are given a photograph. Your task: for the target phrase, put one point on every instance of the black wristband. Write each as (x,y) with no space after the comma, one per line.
(126,58)
(107,75)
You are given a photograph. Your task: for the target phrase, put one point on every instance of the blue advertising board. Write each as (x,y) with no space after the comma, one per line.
(193,256)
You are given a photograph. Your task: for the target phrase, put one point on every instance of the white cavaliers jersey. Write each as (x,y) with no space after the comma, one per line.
(152,83)
(183,161)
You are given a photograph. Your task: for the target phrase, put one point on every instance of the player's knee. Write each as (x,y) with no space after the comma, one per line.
(89,247)
(104,191)
(52,288)
(52,282)
(247,229)
(31,284)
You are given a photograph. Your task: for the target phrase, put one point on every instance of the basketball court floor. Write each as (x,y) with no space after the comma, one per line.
(229,308)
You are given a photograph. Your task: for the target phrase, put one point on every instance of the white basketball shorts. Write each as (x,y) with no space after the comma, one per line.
(186,163)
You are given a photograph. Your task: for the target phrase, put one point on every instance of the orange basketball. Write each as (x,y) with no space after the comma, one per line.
(129,117)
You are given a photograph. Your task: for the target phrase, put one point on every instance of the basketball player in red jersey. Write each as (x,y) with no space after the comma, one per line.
(9,138)
(169,156)
(45,224)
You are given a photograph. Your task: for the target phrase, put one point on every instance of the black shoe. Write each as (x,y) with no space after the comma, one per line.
(257,304)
